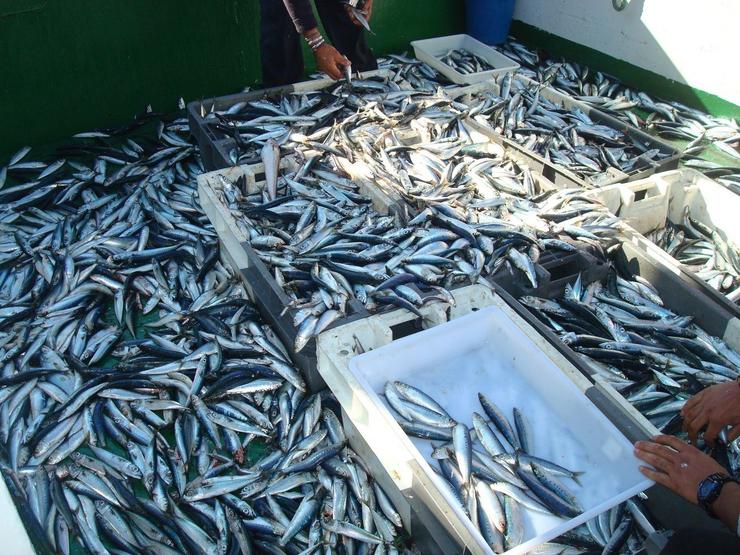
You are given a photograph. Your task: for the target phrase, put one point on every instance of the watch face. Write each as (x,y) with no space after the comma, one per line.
(706,488)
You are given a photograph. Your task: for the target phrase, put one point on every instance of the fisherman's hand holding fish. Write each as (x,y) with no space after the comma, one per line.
(713,408)
(328,59)
(284,22)
(688,472)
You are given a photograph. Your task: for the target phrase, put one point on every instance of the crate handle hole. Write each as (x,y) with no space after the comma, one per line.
(640,195)
(344,352)
(404,329)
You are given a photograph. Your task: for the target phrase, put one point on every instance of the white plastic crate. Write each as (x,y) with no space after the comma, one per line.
(432,50)
(483,352)
(650,204)
(494,351)
(647,205)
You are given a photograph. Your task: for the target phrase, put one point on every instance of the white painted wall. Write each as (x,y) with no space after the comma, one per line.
(690,41)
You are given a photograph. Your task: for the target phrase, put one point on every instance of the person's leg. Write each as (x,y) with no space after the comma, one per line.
(280,46)
(346,37)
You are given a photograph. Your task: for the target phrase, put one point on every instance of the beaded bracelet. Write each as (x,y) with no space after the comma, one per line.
(315,43)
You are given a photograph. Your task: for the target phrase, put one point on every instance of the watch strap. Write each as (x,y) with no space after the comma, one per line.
(706,501)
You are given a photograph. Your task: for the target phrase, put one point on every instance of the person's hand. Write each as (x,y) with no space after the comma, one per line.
(367,9)
(715,407)
(330,61)
(678,466)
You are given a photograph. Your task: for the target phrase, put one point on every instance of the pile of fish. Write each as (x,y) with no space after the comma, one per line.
(465,62)
(328,249)
(413,74)
(144,408)
(704,251)
(496,483)
(728,176)
(669,119)
(622,529)
(565,136)
(252,122)
(654,357)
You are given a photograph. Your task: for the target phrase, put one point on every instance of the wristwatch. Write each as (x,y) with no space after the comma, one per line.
(709,490)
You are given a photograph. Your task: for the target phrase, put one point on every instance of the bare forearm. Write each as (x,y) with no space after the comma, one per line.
(311,33)
(727,505)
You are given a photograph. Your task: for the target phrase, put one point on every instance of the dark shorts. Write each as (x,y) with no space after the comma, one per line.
(280,44)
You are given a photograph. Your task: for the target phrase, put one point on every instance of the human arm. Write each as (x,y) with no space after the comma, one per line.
(328,59)
(727,506)
(681,468)
(715,407)
(302,15)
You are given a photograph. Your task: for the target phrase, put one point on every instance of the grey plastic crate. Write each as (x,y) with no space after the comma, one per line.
(216,145)
(557,173)
(682,293)
(556,269)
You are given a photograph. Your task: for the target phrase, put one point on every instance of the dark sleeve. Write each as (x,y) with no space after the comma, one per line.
(301,13)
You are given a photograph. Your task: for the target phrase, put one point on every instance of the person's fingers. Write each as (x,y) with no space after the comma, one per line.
(710,436)
(655,449)
(671,441)
(733,433)
(659,462)
(328,66)
(333,70)
(658,477)
(341,61)
(692,403)
(351,15)
(689,411)
(693,427)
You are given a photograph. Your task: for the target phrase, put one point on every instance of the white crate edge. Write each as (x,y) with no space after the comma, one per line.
(646,205)
(13,532)
(663,197)
(336,348)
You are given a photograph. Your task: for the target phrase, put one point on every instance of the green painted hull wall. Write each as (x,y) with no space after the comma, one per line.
(73,65)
